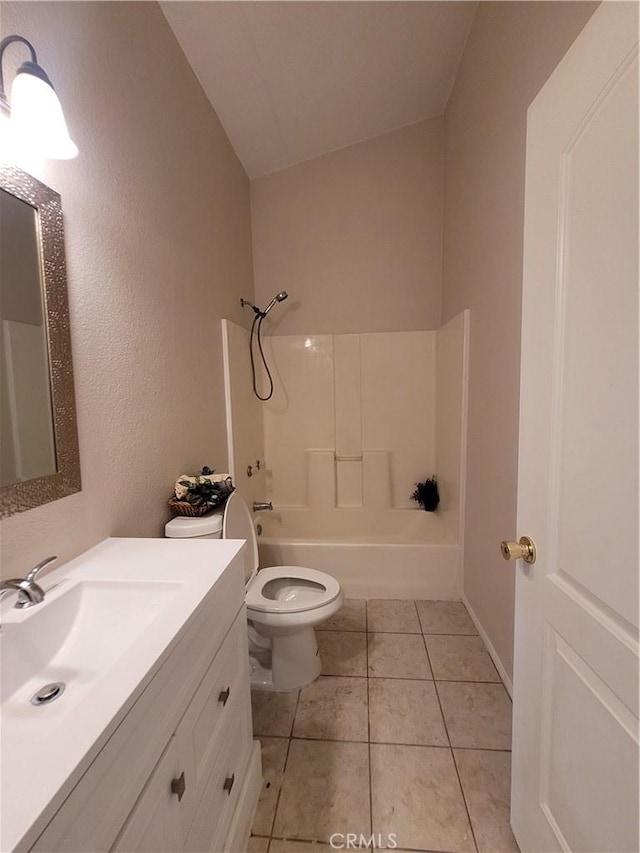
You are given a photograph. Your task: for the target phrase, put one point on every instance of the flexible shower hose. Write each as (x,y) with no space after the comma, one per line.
(255,329)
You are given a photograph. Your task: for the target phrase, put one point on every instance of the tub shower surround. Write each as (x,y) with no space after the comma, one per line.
(355,420)
(352,422)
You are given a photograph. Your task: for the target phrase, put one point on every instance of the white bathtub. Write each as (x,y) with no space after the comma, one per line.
(411,555)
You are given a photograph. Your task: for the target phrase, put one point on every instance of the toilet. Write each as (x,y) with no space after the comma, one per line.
(283,602)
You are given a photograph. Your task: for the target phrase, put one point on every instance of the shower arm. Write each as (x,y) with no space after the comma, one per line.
(244,302)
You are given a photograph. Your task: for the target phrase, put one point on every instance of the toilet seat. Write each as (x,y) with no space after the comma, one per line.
(290,589)
(277,589)
(238,524)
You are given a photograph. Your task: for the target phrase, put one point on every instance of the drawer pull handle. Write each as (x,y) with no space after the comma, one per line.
(228,783)
(223,696)
(179,786)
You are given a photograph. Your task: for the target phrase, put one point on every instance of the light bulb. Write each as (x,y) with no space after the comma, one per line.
(37,118)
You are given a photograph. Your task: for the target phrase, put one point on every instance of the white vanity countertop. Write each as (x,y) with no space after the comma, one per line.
(127,602)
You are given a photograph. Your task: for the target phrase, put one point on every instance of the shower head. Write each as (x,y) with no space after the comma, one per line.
(279,297)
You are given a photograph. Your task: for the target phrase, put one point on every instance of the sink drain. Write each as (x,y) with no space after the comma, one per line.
(48,693)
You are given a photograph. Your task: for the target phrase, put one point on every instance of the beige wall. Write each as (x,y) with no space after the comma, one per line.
(158,238)
(512,50)
(452,380)
(355,237)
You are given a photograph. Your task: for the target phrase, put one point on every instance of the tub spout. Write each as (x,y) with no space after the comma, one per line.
(260,506)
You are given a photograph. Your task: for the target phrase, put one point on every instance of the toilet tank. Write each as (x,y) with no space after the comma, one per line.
(207,526)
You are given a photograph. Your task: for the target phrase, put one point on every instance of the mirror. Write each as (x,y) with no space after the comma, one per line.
(39,459)
(26,420)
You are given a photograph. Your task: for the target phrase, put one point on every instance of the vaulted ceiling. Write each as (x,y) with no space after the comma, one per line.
(291,81)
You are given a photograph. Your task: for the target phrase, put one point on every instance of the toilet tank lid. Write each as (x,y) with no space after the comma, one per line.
(186,527)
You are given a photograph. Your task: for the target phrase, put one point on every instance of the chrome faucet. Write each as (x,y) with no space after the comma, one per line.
(29,592)
(260,506)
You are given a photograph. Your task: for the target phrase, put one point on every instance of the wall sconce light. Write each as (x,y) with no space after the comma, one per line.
(37,120)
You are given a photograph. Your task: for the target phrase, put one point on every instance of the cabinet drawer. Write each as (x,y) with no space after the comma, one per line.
(204,728)
(215,809)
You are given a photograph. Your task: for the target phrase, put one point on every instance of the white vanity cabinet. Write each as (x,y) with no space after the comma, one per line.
(181,772)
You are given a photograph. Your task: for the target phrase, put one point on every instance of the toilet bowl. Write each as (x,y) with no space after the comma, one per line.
(283,602)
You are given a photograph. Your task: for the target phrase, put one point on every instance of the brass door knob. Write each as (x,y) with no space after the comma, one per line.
(525,550)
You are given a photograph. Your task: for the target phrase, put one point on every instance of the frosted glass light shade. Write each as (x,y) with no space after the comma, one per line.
(37,118)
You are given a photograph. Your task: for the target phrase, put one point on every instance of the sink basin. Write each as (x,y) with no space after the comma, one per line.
(108,620)
(80,630)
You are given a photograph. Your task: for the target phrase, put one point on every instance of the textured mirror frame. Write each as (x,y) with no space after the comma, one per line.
(17,497)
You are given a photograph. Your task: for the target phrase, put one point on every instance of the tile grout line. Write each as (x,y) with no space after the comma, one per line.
(444,721)
(395,743)
(284,767)
(275,811)
(464,798)
(453,757)
(415,607)
(414,633)
(415,678)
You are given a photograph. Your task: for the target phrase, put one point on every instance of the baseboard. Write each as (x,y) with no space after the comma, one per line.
(494,655)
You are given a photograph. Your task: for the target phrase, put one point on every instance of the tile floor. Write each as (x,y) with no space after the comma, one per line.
(406,732)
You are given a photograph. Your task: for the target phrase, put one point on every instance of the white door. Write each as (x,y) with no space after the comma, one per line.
(575,749)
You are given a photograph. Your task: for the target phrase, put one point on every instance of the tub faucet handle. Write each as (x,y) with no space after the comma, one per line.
(251,468)
(261,506)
